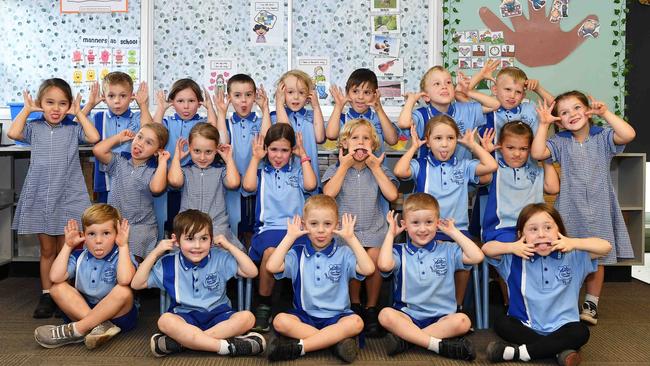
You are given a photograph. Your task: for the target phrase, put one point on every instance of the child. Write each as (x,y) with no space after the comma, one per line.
(362,94)
(544,270)
(200,317)
(99,304)
(117,94)
(241,129)
(424,305)
(281,182)
(585,152)
(137,177)
(203,179)
(445,174)
(54,190)
(295,89)
(321,316)
(437,90)
(361,184)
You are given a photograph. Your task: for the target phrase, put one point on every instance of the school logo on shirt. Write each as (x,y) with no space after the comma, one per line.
(293,181)
(212,281)
(563,274)
(461,126)
(457,176)
(532,175)
(334,272)
(439,266)
(109,275)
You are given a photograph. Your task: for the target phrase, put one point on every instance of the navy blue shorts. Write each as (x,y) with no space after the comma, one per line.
(269,239)
(126,322)
(423,323)
(318,323)
(504,235)
(247,214)
(205,320)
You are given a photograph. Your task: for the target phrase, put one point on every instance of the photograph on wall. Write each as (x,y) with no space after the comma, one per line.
(384,45)
(217,72)
(388,67)
(267,23)
(385,23)
(318,68)
(391,90)
(384,5)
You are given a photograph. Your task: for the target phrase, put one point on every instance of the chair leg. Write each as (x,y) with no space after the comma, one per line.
(249,293)
(477,297)
(486,293)
(240,294)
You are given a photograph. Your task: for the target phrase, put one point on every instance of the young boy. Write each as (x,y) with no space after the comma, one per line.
(239,131)
(361,91)
(424,304)
(117,94)
(200,316)
(99,303)
(320,272)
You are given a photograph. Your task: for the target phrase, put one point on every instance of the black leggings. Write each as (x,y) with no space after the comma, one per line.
(569,336)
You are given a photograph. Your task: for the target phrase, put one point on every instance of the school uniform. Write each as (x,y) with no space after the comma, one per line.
(54,190)
(204,190)
(95,278)
(423,286)
(543,293)
(466,115)
(524,112)
(320,281)
(109,124)
(302,122)
(361,196)
(197,291)
(371,116)
(510,191)
(132,196)
(280,196)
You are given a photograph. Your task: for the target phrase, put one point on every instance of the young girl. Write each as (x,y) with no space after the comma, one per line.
(204,179)
(281,182)
(446,176)
(544,270)
(54,190)
(295,89)
(361,183)
(136,178)
(587,200)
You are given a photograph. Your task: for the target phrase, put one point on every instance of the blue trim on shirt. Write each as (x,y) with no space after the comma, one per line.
(169,277)
(152,162)
(517,306)
(188,264)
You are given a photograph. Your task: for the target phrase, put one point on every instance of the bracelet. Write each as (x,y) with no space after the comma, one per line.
(305,159)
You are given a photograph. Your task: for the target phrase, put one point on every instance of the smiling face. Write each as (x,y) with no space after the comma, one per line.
(572,114)
(541,231)
(242,97)
(295,93)
(55,105)
(439,89)
(118,97)
(421,225)
(359,143)
(442,141)
(279,152)
(144,145)
(515,150)
(203,151)
(508,91)
(320,224)
(100,238)
(195,247)
(186,103)
(361,96)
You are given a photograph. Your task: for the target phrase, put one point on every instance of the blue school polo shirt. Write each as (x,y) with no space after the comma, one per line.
(423,286)
(178,127)
(524,112)
(320,278)
(510,190)
(109,124)
(280,195)
(466,115)
(242,131)
(194,287)
(447,181)
(371,116)
(544,291)
(94,277)
(303,121)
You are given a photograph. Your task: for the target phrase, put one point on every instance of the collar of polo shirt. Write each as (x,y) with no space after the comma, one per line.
(434,112)
(237,118)
(328,250)
(195,117)
(301,111)
(354,114)
(593,130)
(515,110)
(152,162)
(215,163)
(187,264)
(554,254)
(268,167)
(108,257)
(435,162)
(412,248)
(127,114)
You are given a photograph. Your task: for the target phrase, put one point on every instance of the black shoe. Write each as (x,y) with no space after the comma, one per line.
(347,350)
(283,350)
(58,313)
(372,327)
(396,345)
(495,351)
(589,313)
(163,345)
(458,349)
(45,307)
(249,344)
(262,318)
(358,309)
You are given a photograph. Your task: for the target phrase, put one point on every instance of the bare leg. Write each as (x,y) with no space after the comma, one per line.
(594,282)
(238,324)
(314,339)
(374,281)
(49,246)
(461,279)
(267,281)
(355,291)
(402,325)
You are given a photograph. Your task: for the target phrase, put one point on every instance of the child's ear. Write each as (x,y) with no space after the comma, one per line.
(493,88)
(426,98)
(402,223)
(173,237)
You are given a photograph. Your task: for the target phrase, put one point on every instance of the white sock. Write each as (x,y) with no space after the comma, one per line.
(223,348)
(46,291)
(592,298)
(75,331)
(434,344)
(523,353)
(302,347)
(508,353)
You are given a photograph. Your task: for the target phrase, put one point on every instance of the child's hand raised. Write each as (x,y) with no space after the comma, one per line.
(207,100)
(294,228)
(376,100)
(262,99)
(313,99)
(95,96)
(462,83)
(487,71)
(522,249)
(416,143)
(563,244)
(29,103)
(413,97)
(279,94)
(347,227)
(345,160)
(259,152)
(373,161)
(180,150)
(75,107)
(225,151)
(598,108)
(469,139)
(531,84)
(544,114)
(166,245)
(221,102)
(299,150)
(163,156)
(126,135)
(447,226)
(394,226)
(487,140)
(122,238)
(73,237)
(221,241)
(340,99)
(141,96)
(161,100)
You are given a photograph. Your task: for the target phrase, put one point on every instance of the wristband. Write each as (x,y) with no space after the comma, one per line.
(305,159)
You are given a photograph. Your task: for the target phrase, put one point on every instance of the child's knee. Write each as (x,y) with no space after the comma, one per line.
(386,317)
(355,323)
(462,323)
(165,323)
(246,318)
(56,291)
(281,323)
(123,293)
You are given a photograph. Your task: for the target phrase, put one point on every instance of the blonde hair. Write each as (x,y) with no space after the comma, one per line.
(423,81)
(441,119)
(351,125)
(321,202)
(420,201)
(517,74)
(100,213)
(301,76)
(118,78)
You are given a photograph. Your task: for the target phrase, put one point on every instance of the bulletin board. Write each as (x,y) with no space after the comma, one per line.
(567,45)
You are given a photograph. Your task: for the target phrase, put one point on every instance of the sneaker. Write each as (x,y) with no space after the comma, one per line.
(589,313)
(458,349)
(163,345)
(495,351)
(283,350)
(262,318)
(371,323)
(45,307)
(569,357)
(249,344)
(396,345)
(101,334)
(347,350)
(358,309)
(52,336)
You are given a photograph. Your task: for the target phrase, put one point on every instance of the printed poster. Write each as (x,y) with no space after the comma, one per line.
(318,68)
(94,6)
(217,73)
(267,23)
